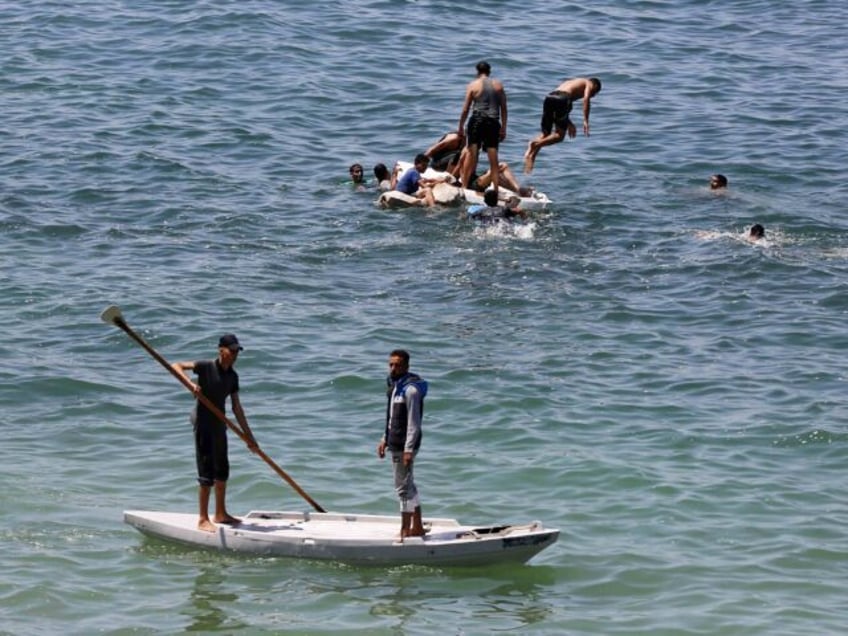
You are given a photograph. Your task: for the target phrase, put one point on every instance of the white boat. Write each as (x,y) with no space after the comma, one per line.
(352,538)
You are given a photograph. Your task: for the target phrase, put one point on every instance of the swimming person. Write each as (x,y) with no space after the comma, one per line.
(756,233)
(493,211)
(383,176)
(718,182)
(357,176)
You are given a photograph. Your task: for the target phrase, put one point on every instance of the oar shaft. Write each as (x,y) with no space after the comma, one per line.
(161,360)
(121,324)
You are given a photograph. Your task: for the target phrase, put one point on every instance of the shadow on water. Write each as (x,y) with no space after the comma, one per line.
(209,599)
(374,598)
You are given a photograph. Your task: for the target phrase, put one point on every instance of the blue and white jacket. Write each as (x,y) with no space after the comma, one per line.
(404,412)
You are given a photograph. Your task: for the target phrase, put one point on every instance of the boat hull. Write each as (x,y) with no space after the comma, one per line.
(352,538)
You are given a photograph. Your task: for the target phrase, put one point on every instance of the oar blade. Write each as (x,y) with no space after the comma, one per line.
(111,315)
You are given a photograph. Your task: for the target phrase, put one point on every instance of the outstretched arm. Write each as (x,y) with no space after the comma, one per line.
(181,368)
(238,411)
(587,106)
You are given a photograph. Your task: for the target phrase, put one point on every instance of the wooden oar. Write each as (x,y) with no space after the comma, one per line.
(112,315)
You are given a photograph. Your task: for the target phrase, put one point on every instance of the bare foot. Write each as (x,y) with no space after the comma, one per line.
(206,526)
(530,155)
(228,520)
(529,158)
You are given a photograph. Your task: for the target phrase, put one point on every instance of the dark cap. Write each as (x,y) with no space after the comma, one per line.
(230,341)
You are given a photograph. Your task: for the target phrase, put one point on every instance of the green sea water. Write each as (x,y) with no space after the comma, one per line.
(627,368)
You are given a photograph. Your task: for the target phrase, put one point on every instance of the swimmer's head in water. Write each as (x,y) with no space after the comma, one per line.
(356,173)
(718,181)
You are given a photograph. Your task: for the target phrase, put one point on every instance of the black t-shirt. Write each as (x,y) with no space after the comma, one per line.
(217,385)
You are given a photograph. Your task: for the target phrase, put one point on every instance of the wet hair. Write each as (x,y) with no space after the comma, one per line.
(422,158)
(483,67)
(758,231)
(718,181)
(403,354)
(491,198)
(596,83)
(355,165)
(381,172)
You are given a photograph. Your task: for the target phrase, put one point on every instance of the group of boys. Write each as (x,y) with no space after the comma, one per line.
(455,153)
(485,109)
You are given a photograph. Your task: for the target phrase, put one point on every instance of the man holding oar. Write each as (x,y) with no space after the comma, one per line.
(112,316)
(216,380)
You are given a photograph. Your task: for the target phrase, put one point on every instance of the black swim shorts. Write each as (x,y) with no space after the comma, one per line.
(442,162)
(484,131)
(210,447)
(555,111)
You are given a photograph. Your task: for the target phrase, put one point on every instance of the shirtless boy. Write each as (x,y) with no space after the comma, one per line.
(555,121)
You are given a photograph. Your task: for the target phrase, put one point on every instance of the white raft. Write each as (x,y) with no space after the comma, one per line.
(352,538)
(535,202)
(449,195)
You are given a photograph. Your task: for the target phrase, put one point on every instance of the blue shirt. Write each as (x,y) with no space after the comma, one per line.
(408,182)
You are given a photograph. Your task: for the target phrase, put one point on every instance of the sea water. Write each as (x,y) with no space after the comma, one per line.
(628,369)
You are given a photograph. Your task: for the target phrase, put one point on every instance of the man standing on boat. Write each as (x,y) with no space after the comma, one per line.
(217,380)
(555,110)
(487,126)
(402,437)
